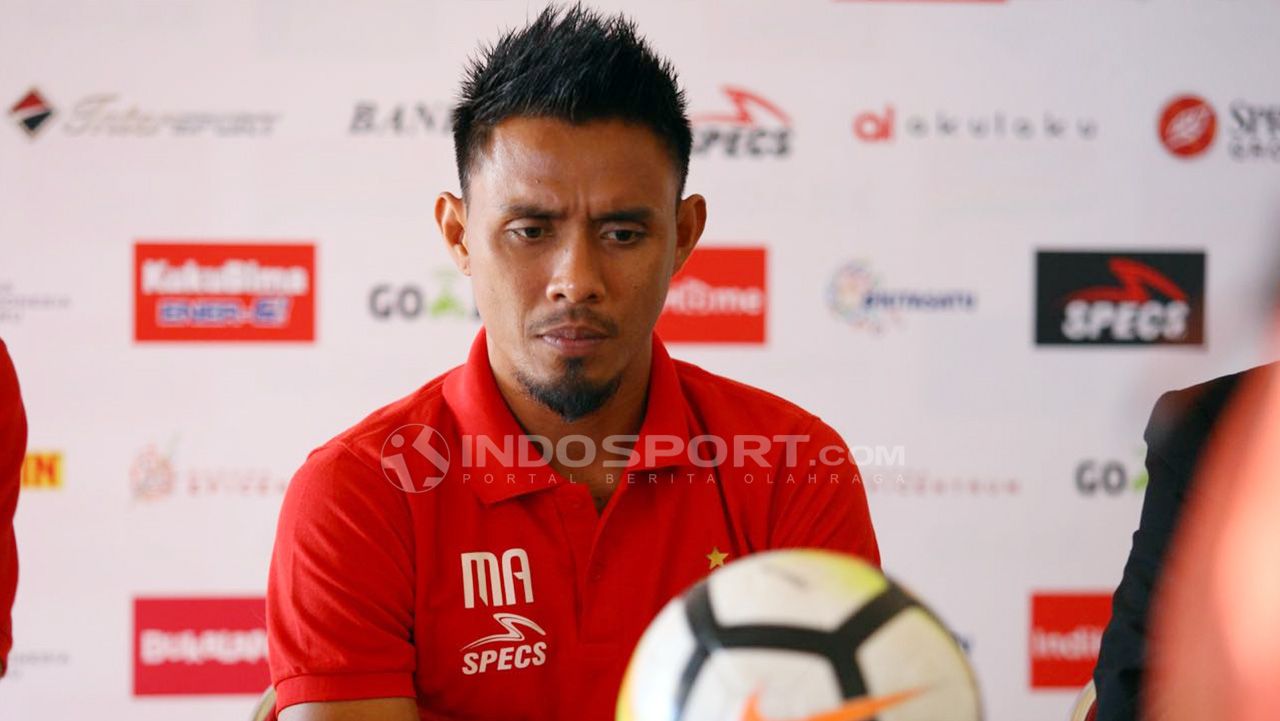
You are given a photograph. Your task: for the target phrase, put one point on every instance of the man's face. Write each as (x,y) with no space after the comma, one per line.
(571,234)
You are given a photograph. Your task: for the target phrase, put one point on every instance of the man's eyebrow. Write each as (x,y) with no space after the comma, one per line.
(529,210)
(638,214)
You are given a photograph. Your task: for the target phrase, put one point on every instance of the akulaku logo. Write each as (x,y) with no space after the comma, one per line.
(214,292)
(31,112)
(890,124)
(199,646)
(859,297)
(1187,126)
(412,119)
(42,470)
(755,127)
(719,296)
(1120,298)
(1065,634)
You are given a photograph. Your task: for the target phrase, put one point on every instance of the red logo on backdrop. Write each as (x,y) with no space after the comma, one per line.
(1066,631)
(720,296)
(224,292)
(199,646)
(1187,126)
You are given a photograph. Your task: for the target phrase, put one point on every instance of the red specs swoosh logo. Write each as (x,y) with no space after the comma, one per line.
(858,709)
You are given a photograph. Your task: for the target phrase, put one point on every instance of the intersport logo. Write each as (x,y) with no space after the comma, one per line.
(1137,298)
(108,115)
(199,646)
(224,292)
(1066,632)
(755,127)
(720,296)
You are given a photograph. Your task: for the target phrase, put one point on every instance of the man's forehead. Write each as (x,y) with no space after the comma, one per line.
(538,160)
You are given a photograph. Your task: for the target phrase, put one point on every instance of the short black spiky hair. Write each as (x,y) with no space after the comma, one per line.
(575,65)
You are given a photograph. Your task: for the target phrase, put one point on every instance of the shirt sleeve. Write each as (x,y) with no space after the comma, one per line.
(13,445)
(826,506)
(340,594)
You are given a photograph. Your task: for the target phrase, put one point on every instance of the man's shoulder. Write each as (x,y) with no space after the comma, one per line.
(1183,419)
(719,400)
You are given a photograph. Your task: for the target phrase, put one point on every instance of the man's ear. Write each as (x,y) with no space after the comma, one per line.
(691,218)
(451,216)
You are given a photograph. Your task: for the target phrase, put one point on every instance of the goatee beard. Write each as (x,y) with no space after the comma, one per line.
(571,396)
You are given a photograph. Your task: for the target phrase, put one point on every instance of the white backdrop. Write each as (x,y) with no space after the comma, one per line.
(249,123)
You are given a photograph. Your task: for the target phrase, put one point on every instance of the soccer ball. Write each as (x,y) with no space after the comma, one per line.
(797,635)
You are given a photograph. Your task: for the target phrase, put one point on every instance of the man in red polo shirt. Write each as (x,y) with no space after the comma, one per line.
(492,546)
(13,447)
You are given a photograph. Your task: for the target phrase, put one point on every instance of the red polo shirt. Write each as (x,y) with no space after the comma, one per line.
(500,593)
(13,447)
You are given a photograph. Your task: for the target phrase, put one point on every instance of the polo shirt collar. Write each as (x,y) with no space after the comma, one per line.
(472,394)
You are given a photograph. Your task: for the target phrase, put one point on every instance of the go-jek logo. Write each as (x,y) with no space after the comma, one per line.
(415,458)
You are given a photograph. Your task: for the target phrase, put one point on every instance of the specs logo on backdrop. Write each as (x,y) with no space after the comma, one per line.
(31,112)
(214,292)
(719,296)
(42,471)
(437,300)
(889,124)
(105,114)
(755,127)
(155,475)
(199,646)
(859,296)
(1066,632)
(1188,125)
(400,119)
(1120,298)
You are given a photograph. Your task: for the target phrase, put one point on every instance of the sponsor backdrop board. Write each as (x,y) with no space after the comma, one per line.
(978,238)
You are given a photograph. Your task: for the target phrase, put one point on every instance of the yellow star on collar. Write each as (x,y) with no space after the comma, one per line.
(716,558)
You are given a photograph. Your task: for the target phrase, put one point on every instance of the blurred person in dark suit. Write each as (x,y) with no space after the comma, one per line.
(1214,637)
(13,446)
(1177,435)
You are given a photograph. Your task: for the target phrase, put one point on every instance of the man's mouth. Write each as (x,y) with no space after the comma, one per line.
(574,339)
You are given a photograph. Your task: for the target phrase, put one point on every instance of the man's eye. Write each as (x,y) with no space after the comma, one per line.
(625,236)
(531,232)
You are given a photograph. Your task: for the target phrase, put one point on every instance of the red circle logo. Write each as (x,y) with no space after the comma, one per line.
(1187,126)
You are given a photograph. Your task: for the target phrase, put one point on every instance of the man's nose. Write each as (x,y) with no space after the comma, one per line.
(577,274)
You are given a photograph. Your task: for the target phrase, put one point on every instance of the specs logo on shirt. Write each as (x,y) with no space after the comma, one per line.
(502,582)
(482,580)
(523,655)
